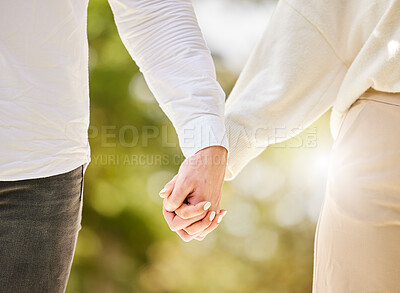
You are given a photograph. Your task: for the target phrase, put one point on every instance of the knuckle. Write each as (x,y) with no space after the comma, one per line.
(184,214)
(173,227)
(178,212)
(187,181)
(187,239)
(166,204)
(191,231)
(170,205)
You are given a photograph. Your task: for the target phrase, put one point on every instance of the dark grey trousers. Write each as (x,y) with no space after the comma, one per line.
(39,224)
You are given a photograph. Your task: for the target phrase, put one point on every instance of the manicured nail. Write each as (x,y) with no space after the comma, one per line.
(207,206)
(221,216)
(212,215)
(163,191)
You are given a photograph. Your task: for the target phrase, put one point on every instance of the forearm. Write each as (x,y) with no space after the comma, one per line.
(290,80)
(164,39)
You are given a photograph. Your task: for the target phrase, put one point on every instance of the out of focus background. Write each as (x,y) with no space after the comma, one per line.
(265,242)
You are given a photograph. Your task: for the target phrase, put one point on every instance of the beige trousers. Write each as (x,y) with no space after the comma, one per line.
(357,242)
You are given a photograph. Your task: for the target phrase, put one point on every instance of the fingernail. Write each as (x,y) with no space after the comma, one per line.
(212,215)
(220,218)
(224,213)
(162,191)
(207,206)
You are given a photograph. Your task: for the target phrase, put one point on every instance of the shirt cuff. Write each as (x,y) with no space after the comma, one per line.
(242,147)
(200,133)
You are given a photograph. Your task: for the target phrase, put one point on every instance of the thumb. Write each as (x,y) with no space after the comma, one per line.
(166,191)
(179,193)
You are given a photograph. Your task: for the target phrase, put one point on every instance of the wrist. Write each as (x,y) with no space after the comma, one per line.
(214,149)
(213,155)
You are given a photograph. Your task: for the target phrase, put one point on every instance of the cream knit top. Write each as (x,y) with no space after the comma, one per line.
(314,54)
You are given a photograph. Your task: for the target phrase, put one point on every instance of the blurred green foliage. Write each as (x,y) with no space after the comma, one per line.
(264,244)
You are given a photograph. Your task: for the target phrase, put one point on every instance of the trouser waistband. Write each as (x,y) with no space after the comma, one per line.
(383,97)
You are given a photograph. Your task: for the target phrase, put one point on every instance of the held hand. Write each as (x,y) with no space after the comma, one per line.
(204,225)
(200,178)
(191,204)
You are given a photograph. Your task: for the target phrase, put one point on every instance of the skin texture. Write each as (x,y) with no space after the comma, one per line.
(198,181)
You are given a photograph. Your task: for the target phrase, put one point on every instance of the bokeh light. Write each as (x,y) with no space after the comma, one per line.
(265,242)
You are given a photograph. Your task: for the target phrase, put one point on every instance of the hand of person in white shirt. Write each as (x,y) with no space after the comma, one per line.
(192,197)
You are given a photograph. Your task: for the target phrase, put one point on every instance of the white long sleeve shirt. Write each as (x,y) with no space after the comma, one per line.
(44,92)
(314,54)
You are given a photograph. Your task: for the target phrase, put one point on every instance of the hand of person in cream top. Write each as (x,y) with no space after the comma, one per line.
(192,197)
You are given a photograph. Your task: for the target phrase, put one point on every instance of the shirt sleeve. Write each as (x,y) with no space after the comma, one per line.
(164,39)
(289,81)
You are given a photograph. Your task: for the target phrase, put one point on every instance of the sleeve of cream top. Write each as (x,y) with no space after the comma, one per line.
(164,39)
(290,79)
